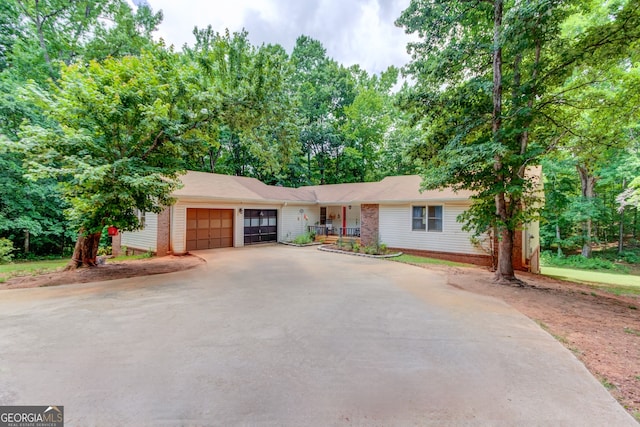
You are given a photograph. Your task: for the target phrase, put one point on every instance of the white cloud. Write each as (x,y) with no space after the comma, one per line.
(353,31)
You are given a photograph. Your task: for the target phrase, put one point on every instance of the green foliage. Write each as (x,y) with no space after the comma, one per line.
(254,132)
(370,250)
(630,255)
(499,88)
(105,250)
(30,268)
(304,239)
(37,39)
(115,139)
(30,207)
(580,262)
(6,249)
(356,247)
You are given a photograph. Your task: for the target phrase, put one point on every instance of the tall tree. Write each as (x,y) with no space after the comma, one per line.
(324,89)
(115,139)
(489,76)
(36,38)
(255,128)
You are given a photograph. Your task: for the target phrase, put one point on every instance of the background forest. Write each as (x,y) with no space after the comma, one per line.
(93,106)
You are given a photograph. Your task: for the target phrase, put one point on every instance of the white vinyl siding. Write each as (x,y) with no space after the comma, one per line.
(396,230)
(292,222)
(145,239)
(353,216)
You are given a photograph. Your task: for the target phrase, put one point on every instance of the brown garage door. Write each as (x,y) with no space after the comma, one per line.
(209,228)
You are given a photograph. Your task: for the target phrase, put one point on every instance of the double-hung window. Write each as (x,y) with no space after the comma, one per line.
(418,219)
(427,218)
(434,220)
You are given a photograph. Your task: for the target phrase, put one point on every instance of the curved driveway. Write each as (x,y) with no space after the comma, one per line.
(278,335)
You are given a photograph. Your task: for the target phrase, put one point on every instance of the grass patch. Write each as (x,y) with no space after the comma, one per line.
(130,257)
(632,332)
(607,384)
(30,268)
(413,259)
(627,283)
(34,268)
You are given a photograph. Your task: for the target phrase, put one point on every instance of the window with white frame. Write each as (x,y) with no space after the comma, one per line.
(434,220)
(427,218)
(418,218)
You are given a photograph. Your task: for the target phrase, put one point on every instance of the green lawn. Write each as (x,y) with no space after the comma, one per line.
(26,268)
(613,282)
(33,268)
(412,259)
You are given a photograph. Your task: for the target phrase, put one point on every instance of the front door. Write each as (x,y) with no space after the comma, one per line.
(260,225)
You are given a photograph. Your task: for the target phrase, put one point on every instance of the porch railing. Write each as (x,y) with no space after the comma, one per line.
(323,230)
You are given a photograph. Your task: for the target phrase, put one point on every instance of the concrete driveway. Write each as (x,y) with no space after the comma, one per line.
(278,335)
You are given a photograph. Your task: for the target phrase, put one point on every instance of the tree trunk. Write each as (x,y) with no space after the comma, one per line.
(558,236)
(26,241)
(62,239)
(586,247)
(85,253)
(621,229)
(504,272)
(587,183)
(213,158)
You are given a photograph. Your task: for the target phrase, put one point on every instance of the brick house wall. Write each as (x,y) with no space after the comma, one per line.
(163,246)
(370,223)
(116,247)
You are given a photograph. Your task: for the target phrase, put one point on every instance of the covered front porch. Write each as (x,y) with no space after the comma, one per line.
(338,221)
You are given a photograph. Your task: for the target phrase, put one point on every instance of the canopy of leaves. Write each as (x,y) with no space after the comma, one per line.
(114,136)
(453,99)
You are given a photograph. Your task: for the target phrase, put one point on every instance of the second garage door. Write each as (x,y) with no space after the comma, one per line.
(260,225)
(209,228)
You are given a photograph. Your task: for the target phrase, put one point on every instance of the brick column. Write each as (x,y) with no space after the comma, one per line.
(369,227)
(163,245)
(116,247)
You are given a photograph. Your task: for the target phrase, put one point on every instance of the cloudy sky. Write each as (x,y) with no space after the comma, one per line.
(353,31)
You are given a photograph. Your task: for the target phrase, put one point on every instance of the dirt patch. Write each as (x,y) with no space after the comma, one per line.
(601,329)
(109,271)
